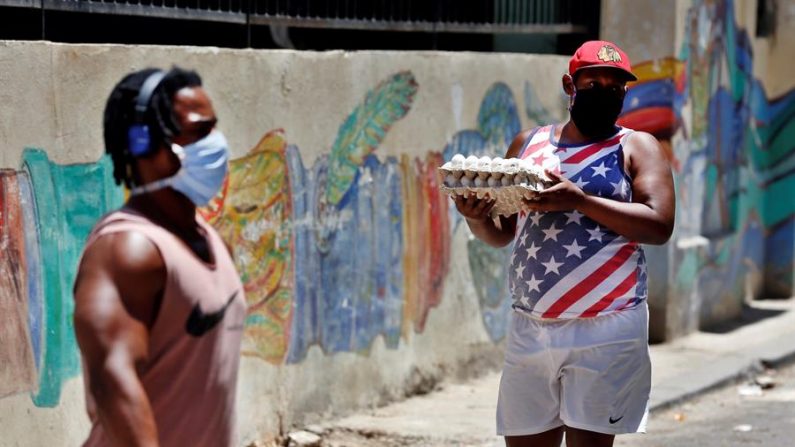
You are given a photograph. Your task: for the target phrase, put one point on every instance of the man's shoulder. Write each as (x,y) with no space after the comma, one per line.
(123,252)
(525,137)
(638,140)
(120,244)
(541,128)
(108,220)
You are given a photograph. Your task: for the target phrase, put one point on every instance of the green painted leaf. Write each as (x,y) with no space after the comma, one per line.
(365,128)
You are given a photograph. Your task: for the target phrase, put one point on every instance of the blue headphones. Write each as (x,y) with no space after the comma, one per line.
(139,141)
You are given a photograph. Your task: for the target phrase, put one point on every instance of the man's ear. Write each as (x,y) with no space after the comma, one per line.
(568,84)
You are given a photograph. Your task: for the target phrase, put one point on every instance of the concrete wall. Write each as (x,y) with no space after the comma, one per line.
(333,178)
(723,102)
(363,284)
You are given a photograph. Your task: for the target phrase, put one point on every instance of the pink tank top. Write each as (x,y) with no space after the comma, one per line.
(194,345)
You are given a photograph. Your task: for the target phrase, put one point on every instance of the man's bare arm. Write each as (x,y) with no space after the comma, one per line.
(118,284)
(648,219)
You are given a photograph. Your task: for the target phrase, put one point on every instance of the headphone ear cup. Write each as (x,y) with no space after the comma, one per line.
(138,140)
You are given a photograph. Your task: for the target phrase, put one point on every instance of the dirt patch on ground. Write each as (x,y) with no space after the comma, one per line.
(351,438)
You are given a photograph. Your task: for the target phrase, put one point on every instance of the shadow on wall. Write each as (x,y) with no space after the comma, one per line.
(734,163)
(381,224)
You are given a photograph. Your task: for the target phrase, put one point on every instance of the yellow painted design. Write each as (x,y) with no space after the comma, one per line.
(253,215)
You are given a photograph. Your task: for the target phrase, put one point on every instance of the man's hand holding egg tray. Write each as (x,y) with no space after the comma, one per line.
(510,182)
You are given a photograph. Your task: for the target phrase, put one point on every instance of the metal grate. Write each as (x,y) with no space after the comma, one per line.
(464,16)
(230,11)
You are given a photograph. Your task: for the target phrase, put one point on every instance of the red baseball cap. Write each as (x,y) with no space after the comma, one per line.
(600,53)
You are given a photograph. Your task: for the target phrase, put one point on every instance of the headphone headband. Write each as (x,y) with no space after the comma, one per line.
(145,94)
(139,142)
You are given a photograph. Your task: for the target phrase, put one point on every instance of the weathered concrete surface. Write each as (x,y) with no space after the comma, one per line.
(55,93)
(644,29)
(317,346)
(366,292)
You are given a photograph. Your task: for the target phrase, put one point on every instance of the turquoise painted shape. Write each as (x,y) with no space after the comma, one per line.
(69,200)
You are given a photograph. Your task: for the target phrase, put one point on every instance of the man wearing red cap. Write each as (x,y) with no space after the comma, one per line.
(577,357)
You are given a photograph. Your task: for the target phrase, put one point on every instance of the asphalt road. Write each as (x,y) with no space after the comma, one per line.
(727,417)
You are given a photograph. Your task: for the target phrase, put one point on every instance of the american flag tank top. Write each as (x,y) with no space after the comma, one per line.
(564,265)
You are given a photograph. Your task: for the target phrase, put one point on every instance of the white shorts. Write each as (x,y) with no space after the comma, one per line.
(592,374)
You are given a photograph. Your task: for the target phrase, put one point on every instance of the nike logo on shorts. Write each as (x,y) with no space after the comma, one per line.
(200,323)
(613,421)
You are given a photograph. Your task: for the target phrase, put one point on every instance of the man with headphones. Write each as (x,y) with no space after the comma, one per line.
(159,305)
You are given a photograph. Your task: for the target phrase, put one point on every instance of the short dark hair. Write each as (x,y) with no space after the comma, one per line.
(120,115)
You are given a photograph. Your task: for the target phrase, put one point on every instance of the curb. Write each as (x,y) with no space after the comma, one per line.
(770,354)
(719,382)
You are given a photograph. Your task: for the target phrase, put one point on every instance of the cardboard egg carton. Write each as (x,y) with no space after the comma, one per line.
(508,181)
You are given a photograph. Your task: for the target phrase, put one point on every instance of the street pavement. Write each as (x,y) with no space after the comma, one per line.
(741,414)
(684,374)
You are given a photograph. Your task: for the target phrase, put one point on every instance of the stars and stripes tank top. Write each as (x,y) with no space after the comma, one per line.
(565,265)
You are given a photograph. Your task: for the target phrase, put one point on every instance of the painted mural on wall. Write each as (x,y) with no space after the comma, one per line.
(498,123)
(381,225)
(734,160)
(345,217)
(253,215)
(45,220)
(741,143)
(650,104)
(19,369)
(378,222)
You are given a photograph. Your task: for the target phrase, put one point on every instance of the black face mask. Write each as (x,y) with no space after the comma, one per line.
(595,111)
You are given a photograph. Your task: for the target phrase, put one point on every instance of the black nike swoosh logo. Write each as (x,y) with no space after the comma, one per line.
(613,421)
(200,323)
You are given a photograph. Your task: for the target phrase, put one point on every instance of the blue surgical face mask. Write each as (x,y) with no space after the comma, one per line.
(204,167)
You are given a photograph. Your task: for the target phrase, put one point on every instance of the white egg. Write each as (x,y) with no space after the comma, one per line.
(457,162)
(511,165)
(450,181)
(484,164)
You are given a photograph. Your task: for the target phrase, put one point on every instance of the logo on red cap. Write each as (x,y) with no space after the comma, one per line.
(608,54)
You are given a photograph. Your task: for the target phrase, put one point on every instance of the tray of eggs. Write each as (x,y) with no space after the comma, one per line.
(508,181)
